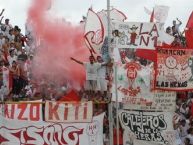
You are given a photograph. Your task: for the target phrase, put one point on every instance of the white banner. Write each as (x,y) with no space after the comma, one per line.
(128,139)
(162,101)
(14,132)
(139,35)
(148,126)
(68,112)
(31,111)
(133,84)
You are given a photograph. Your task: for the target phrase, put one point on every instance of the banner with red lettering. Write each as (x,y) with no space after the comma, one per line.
(152,127)
(133,84)
(68,111)
(174,69)
(29,111)
(15,132)
(139,35)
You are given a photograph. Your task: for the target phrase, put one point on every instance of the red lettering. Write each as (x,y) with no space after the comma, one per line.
(23,108)
(66,111)
(53,111)
(9,113)
(85,111)
(35,108)
(76,111)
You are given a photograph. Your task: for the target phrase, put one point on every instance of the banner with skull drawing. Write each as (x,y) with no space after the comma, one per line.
(147,128)
(174,69)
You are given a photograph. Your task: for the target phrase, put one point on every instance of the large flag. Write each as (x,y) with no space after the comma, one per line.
(159,13)
(96,27)
(94,31)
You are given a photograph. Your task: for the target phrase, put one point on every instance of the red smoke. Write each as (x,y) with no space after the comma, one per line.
(62,40)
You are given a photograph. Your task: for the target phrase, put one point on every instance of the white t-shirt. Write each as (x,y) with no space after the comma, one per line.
(91,70)
(191,138)
(101,72)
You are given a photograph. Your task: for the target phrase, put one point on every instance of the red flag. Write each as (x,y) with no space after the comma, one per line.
(152,16)
(189,32)
(146,54)
(190,21)
(71,97)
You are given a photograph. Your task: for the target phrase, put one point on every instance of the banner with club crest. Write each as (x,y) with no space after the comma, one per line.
(133,84)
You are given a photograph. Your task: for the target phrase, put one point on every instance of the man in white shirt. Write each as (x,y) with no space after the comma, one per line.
(91,73)
(101,76)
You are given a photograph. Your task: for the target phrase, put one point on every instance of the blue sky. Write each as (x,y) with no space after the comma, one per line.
(16,10)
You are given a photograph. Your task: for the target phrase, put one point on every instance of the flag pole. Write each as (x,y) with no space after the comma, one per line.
(110,111)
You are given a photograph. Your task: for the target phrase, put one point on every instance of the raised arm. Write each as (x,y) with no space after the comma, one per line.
(180,22)
(1,19)
(2,12)
(77,61)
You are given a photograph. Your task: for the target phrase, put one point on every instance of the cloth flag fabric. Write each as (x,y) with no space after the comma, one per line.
(71,97)
(189,32)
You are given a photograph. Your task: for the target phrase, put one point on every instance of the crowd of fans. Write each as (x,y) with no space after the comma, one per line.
(16,57)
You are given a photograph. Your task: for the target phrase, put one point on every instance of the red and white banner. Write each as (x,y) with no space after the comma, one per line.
(174,69)
(15,132)
(139,35)
(94,32)
(96,27)
(23,111)
(133,84)
(68,111)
